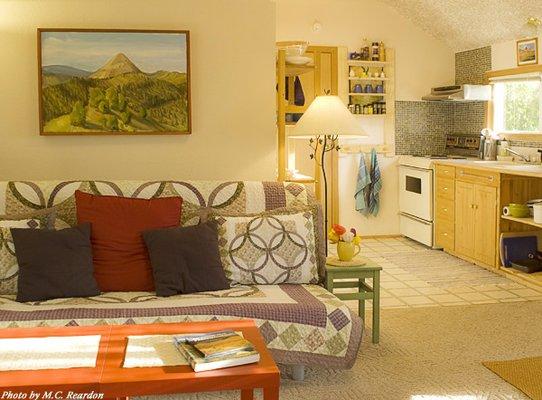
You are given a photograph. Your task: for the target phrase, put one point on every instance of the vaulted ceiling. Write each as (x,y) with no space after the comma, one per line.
(469,24)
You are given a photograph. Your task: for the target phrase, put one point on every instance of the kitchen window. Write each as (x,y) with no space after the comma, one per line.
(517,105)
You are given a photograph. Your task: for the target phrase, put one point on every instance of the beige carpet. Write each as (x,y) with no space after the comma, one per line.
(525,374)
(432,353)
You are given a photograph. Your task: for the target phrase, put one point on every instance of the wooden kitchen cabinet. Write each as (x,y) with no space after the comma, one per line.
(472,230)
(466,213)
(445,207)
(475,226)
(485,226)
(464,218)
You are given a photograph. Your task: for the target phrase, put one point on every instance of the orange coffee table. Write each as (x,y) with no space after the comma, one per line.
(111,379)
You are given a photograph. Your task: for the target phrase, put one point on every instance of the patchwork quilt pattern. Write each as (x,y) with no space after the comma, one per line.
(269,248)
(301,323)
(198,196)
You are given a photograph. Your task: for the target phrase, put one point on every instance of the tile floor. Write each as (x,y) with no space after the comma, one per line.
(415,276)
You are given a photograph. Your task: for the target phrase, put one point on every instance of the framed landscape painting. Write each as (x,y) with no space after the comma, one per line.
(527,51)
(114,82)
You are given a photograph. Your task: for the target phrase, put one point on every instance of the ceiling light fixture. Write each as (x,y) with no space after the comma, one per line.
(534,22)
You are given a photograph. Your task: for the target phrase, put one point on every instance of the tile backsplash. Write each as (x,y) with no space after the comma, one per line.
(421,126)
(468,118)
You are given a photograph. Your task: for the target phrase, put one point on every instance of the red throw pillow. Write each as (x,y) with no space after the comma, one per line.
(121,260)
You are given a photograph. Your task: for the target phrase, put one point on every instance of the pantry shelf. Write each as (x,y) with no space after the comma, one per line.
(526,220)
(362,63)
(368,94)
(368,79)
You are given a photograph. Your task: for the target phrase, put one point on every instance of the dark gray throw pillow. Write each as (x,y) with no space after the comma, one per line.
(54,264)
(186,259)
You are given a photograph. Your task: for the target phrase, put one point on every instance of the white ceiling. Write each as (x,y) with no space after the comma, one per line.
(469,24)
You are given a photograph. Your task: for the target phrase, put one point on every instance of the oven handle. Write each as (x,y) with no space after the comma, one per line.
(416,168)
(423,221)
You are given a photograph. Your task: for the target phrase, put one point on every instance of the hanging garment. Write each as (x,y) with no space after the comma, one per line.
(362,184)
(375,186)
(299,96)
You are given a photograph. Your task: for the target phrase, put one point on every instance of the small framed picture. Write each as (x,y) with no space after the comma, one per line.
(527,51)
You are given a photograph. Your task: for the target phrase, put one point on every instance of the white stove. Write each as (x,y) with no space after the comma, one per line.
(416,187)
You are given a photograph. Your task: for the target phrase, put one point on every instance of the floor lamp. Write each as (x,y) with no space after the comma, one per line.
(325,120)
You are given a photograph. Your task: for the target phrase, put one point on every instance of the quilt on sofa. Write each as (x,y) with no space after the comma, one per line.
(302,324)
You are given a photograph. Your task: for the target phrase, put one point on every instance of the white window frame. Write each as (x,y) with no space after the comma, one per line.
(498,106)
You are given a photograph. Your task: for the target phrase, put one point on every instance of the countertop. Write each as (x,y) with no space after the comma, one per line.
(509,168)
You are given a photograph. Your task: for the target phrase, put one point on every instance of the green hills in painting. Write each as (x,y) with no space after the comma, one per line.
(118,97)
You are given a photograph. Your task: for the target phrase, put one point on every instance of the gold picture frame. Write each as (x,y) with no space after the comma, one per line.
(527,51)
(114,82)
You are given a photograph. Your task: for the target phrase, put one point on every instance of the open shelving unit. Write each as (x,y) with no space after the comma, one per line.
(364,71)
(526,220)
(518,189)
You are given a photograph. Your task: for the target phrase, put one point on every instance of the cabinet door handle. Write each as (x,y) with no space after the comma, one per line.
(445,209)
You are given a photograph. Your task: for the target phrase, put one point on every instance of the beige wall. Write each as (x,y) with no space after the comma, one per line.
(233,93)
(503,54)
(421,62)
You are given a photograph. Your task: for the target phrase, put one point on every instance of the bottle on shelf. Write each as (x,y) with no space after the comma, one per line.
(365,50)
(381,52)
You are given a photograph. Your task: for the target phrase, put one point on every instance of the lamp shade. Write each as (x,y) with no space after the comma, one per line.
(327,115)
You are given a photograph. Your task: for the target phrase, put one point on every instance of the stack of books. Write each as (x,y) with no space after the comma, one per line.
(214,350)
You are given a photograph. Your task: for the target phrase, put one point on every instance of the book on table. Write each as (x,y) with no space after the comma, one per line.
(214,350)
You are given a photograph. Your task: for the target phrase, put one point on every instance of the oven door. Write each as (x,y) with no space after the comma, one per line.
(416,192)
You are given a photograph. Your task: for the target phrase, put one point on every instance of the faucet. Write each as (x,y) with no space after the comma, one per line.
(522,156)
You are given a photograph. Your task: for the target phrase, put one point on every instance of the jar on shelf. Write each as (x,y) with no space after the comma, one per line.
(357,109)
(375,51)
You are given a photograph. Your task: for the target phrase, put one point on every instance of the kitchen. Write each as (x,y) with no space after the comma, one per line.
(472,195)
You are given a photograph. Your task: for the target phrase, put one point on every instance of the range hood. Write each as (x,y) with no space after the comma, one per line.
(460,93)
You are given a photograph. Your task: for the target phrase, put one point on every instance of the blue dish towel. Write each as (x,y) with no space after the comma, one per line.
(376,185)
(363,182)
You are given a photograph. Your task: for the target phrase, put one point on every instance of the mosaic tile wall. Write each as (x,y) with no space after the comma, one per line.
(521,143)
(468,118)
(421,127)
(471,65)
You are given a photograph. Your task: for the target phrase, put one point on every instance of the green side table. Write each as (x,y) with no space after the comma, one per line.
(356,271)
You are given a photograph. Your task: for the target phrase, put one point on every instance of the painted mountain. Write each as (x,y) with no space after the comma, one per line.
(118,97)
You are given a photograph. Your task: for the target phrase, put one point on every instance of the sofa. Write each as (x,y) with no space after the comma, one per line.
(302,324)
